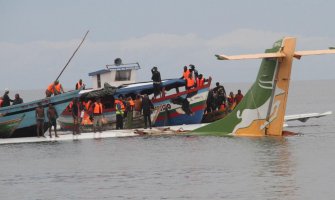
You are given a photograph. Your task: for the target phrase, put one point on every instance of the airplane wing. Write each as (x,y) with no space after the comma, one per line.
(251,56)
(305,117)
(299,54)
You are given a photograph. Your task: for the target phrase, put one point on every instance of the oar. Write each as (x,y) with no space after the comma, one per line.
(72,55)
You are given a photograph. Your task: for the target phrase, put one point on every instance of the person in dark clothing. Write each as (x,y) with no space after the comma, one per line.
(194,71)
(157,81)
(17,100)
(221,94)
(147,106)
(76,111)
(6,99)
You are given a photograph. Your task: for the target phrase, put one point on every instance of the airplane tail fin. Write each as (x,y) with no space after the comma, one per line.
(262,110)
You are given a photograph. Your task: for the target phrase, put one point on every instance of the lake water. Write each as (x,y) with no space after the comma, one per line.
(179,167)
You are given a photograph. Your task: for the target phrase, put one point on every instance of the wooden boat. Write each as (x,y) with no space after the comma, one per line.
(176,106)
(8,125)
(27,126)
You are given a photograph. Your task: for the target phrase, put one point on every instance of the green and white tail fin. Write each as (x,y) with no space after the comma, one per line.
(262,110)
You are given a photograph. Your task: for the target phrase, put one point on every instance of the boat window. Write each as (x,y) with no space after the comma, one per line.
(123,75)
(99,81)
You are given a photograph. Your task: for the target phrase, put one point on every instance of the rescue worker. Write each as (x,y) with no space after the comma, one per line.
(231,101)
(200,81)
(54,88)
(6,99)
(193,71)
(17,100)
(190,82)
(221,94)
(238,97)
(186,72)
(80,85)
(129,110)
(97,113)
(157,81)
(147,106)
(119,111)
(138,106)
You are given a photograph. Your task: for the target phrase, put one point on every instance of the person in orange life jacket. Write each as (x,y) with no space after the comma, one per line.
(137,106)
(231,101)
(200,81)
(147,107)
(97,113)
(186,72)
(80,85)
(119,111)
(76,111)
(54,88)
(157,81)
(238,97)
(190,82)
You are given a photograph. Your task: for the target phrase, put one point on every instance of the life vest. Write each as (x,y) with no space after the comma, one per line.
(88,104)
(131,103)
(186,74)
(97,108)
(58,87)
(78,85)
(118,108)
(51,88)
(189,82)
(200,82)
(1,101)
(121,103)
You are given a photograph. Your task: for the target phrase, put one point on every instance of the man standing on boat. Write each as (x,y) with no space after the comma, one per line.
(54,88)
(157,81)
(147,107)
(39,114)
(80,85)
(6,99)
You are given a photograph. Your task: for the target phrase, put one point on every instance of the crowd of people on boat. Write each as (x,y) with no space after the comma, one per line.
(218,100)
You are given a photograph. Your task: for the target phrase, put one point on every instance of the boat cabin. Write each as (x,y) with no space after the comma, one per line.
(115,75)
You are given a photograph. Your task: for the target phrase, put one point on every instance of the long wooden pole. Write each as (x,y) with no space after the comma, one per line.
(72,56)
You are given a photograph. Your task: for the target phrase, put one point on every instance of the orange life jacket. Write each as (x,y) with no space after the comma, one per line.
(121,103)
(189,82)
(186,74)
(131,103)
(97,108)
(200,82)
(57,87)
(51,88)
(88,104)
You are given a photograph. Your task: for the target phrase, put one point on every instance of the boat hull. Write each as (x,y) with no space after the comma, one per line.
(8,125)
(27,126)
(171,111)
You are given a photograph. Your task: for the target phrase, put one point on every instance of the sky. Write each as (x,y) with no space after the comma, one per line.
(38,37)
